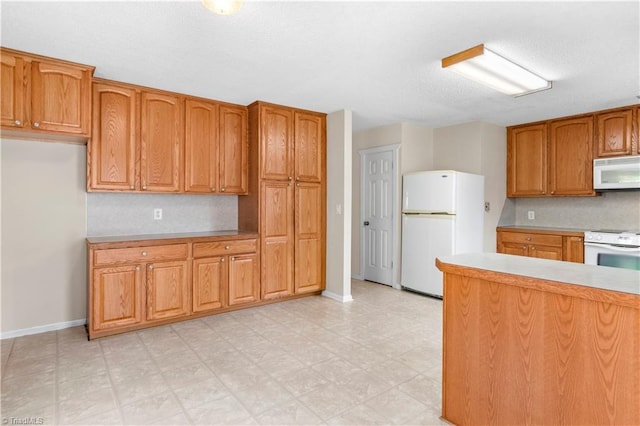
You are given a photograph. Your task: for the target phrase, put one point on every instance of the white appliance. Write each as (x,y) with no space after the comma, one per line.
(442,214)
(616,173)
(618,249)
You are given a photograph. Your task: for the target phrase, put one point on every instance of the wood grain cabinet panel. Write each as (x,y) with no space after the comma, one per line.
(527,160)
(117,297)
(614,132)
(45,98)
(542,245)
(571,156)
(201,146)
(167,290)
(308,238)
(573,249)
(309,146)
(161,142)
(277,232)
(113,148)
(13,90)
(209,284)
(276,140)
(233,150)
(244,279)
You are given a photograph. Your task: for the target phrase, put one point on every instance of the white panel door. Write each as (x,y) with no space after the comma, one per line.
(378,217)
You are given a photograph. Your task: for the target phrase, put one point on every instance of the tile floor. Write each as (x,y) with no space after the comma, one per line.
(375,361)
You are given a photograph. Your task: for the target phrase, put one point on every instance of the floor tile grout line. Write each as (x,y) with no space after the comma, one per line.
(114,391)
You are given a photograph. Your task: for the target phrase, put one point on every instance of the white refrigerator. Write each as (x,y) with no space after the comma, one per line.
(442,214)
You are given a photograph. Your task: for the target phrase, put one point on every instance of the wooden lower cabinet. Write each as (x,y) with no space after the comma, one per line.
(543,244)
(137,284)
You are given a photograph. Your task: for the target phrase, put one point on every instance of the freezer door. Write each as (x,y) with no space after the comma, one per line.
(427,192)
(425,237)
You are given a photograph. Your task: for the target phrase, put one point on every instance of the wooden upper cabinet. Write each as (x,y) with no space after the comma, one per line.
(309,146)
(112,150)
(571,156)
(13,89)
(60,98)
(614,132)
(161,142)
(527,160)
(46,96)
(201,146)
(234,167)
(309,237)
(276,139)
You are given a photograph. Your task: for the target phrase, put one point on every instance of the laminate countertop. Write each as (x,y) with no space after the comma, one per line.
(231,234)
(570,232)
(530,270)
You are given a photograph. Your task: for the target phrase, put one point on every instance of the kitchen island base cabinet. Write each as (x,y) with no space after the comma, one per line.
(522,350)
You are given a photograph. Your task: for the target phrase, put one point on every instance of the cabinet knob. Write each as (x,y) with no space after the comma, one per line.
(533,248)
(144,253)
(222,260)
(553,192)
(297,184)
(144,186)
(289,177)
(528,238)
(18,123)
(524,247)
(233,258)
(131,187)
(36,124)
(213,189)
(137,268)
(150,266)
(227,247)
(297,178)
(221,189)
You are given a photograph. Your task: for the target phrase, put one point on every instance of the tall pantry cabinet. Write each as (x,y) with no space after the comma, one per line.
(287,197)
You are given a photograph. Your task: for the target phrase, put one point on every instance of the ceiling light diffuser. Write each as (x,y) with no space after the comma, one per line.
(223,7)
(486,67)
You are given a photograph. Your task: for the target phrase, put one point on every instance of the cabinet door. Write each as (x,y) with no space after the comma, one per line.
(116,297)
(234,168)
(513,248)
(309,236)
(13,83)
(209,283)
(276,225)
(614,133)
(244,282)
(60,98)
(545,252)
(161,132)
(276,140)
(573,249)
(571,157)
(201,146)
(527,161)
(309,147)
(112,149)
(167,290)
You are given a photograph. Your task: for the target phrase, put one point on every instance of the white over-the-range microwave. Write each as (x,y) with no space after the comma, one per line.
(616,173)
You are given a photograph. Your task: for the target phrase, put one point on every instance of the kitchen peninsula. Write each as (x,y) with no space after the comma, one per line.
(536,341)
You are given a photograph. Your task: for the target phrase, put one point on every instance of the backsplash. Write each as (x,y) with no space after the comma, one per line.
(611,210)
(132,214)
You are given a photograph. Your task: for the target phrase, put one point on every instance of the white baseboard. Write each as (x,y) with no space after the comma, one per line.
(339,298)
(42,329)
(357,277)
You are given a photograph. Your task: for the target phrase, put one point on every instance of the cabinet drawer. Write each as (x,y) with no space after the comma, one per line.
(545,239)
(222,248)
(140,254)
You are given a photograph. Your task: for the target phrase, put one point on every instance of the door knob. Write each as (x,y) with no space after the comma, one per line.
(366,223)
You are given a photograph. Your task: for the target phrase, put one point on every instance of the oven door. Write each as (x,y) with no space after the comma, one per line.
(612,255)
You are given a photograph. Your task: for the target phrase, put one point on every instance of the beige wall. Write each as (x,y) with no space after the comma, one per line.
(415,153)
(43,231)
(478,148)
(339,140)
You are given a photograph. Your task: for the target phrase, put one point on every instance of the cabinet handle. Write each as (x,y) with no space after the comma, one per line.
(144,253)
(227,247)
(18,123)
(150,266)
(137,268)
(36,124)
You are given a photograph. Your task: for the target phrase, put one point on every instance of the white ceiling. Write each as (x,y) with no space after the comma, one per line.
(380,60)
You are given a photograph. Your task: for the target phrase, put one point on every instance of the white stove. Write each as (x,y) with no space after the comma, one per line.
(619,249)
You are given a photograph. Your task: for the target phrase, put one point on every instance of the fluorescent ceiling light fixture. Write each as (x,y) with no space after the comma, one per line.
(486,67)
(223,7)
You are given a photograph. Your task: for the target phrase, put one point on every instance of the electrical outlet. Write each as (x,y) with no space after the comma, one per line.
(487,206)
(157,214)
(531,215)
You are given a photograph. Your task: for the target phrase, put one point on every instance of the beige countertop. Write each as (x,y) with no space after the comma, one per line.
(600,277)
(175,236)
(543,230)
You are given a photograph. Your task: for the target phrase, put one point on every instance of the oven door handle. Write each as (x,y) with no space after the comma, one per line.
(614,247)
